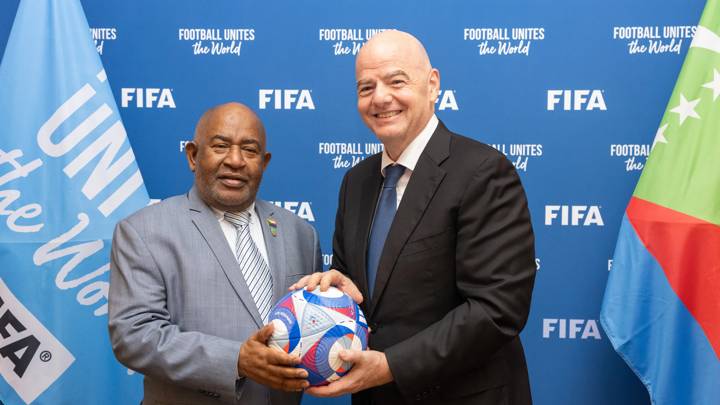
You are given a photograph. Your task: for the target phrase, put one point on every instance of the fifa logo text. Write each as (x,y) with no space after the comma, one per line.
(573,215)
(303,209)
(570,328)
(31,358)
(285,99)
(147,98)
(446,100)
(576,100)
(19,351)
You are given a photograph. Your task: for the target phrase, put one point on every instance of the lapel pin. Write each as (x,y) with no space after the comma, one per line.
(273,226)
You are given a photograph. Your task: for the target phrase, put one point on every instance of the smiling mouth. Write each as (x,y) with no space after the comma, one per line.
(387,114)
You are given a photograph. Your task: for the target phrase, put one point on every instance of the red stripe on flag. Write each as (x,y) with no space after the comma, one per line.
(688,250)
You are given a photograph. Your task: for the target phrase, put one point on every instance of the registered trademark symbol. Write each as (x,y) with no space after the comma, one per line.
(45,356)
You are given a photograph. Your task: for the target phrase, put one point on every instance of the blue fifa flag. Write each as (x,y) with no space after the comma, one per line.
(67,175)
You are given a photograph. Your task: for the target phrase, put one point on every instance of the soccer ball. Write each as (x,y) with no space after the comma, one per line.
(315,326)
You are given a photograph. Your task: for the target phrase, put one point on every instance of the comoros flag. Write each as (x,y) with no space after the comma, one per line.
(661,308)
(67,175)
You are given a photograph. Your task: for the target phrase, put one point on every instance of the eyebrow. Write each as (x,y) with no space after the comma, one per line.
(227,139)
(249,142)
(394,73)
(390,75)
(220,138)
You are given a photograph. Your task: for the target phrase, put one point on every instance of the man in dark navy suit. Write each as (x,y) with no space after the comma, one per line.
(435,233)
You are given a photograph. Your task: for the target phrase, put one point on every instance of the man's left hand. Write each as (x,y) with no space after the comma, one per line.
(370,369)
(329,278)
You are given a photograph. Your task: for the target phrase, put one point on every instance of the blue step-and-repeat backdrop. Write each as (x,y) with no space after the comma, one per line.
(571,91)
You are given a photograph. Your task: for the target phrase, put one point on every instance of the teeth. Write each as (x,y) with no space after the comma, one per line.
(388,114)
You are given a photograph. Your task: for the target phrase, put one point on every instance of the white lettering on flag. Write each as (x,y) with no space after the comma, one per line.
(31,358)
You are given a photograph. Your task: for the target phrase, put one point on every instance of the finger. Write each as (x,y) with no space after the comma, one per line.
(313,281)
(293,385)
(265,371)
(353,292)
(346,285)
(320,392)
(280,358)
(283,372)
(264,333)
(282,383)
(299,284)
(329,278)
(351,356)
(333,389)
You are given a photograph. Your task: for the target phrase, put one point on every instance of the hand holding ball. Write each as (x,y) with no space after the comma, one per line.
(316,326)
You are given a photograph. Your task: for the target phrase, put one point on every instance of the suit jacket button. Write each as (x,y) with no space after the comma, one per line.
(374,327)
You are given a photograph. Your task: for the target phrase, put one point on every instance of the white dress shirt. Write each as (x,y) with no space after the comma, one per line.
(256,234)
(409,157)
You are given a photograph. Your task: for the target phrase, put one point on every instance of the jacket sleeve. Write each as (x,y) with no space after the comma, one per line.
(317,255)
(144,337)
(338,260)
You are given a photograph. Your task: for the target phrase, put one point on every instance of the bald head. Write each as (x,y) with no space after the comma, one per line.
(398,45)
(228,156)
(397,88)
(232,111)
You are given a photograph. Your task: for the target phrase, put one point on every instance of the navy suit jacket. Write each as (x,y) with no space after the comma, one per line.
(455,278)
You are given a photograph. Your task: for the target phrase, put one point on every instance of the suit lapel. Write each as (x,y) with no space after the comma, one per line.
(274,246)
(423,184)
(207,224)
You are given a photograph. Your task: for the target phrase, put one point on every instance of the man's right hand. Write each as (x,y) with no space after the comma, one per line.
(268,366)
(329,278)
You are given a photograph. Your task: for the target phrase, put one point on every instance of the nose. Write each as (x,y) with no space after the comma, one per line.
(382,95)
(234,157)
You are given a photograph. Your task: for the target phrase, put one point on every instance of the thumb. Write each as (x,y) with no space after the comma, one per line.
(349,356)
(264,333)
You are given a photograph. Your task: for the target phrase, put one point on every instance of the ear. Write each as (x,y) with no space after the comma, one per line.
(268,155)
(434,84)
(191,150)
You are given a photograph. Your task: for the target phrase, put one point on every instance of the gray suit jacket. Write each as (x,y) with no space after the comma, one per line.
(179,305)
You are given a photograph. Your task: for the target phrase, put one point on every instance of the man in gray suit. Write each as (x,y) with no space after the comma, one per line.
(193,277)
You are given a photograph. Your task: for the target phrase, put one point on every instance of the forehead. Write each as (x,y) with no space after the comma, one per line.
(236,124)
(384,58)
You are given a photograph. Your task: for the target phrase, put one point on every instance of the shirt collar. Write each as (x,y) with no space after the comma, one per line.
(221,214)
(410,156)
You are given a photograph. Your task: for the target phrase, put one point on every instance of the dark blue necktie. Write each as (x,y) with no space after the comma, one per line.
(384,214)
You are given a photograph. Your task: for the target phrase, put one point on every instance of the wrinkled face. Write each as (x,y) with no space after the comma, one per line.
(396,94)
(228,157)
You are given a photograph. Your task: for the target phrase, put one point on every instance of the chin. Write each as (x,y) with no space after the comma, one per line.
(232,202)
(385,135)
(384,131)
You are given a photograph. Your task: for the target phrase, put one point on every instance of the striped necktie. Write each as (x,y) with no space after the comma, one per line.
(254,269)
(384,215)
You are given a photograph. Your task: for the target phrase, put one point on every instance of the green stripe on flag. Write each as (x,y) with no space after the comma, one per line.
(683,170)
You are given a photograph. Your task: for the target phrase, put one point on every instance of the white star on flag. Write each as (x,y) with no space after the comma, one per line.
(714,85)
(686,108)
(659,136)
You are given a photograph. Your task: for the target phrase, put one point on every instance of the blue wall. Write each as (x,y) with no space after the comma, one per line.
(592,49)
